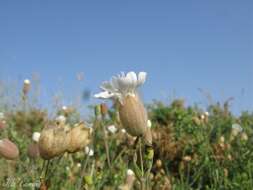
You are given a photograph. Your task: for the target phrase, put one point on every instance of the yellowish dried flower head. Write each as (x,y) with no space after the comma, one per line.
(53,141)
(56,140)
(133,116)
(79,137)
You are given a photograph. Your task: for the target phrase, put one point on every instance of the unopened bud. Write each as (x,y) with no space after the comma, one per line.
(8,149)
(97,110)
(104,109)
(26,86)
(187,158)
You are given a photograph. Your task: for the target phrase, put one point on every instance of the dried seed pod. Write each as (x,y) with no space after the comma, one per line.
(53,141)
(8,149)
(134,118)
(79,138)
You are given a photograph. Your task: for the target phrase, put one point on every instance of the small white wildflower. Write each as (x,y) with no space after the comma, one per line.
(130,172)
(123,130)
(206,113)
(36,136)
(61,119)
(67,168)
(112,128)
(149,124)
(121,86)
(202,116)
(1,115)
(79,165)
(27,81)
(64,108)
(89,151)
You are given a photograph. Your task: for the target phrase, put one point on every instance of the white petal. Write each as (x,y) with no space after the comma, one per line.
(132,79)
(141,78)
(36,136)
(106,86)
(114,84)
(104,95)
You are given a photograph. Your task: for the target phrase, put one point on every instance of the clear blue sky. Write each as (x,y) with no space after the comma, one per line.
(184,45)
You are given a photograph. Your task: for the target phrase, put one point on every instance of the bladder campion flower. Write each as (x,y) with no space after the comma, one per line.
(123,90)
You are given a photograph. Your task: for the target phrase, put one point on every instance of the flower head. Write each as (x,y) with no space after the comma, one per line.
(121,86)
(132,113)
(61,119)
(36,136)
(89,151)
(130,172)
(112,128)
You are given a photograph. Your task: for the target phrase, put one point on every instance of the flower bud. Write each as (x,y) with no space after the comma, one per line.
(104,109)
(134,119)
(97,110)
(8,149)
(26,86)
(187,158)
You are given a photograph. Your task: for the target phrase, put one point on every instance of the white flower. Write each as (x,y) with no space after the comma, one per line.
(1,115)
(61,119)
(67,168)
(112,128)
(64,108)
(79,165)
(149,124)
(36,136)
(123,130)
(27,81)
(130,172)
(89,151)
(121,86)
(202,116)
(206,113)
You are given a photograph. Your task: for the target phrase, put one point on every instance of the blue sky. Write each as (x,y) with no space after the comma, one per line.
(183,45)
